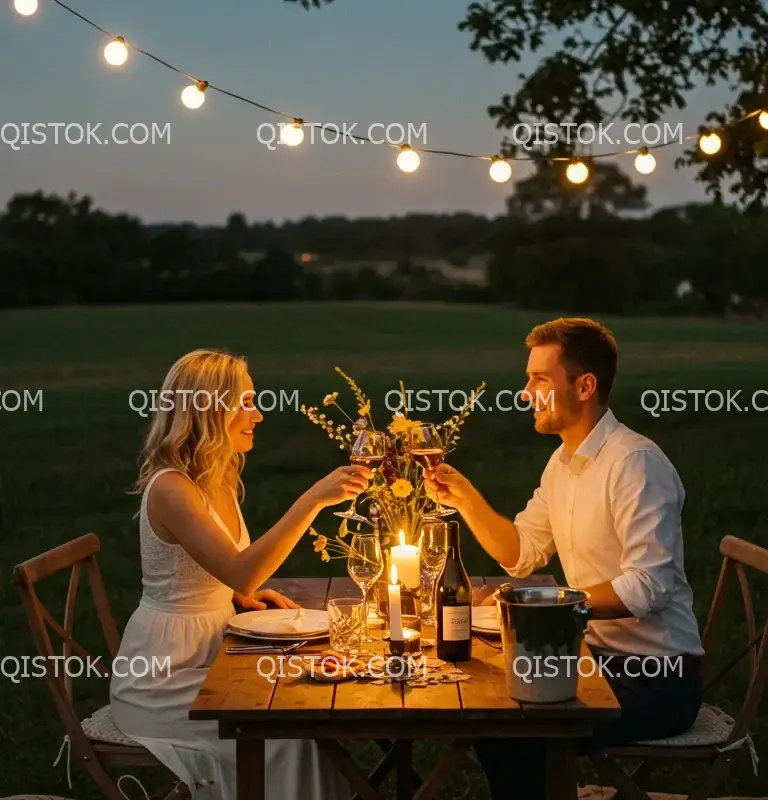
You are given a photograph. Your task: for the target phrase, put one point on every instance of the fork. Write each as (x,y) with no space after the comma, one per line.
(243,649)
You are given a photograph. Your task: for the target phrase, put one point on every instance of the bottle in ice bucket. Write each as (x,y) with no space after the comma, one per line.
(453,594)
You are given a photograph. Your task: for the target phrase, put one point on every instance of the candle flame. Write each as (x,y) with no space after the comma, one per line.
(402,537)
(393,575)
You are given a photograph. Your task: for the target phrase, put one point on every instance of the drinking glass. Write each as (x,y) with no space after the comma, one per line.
(432,546)
(368,450)
(365,565)
(345,624)
(426,447)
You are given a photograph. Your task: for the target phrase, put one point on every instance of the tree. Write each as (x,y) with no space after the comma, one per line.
(645,54)
(547,193)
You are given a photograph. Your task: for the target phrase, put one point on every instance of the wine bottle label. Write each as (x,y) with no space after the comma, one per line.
(456,623)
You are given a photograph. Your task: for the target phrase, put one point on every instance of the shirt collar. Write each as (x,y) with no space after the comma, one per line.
(593,444)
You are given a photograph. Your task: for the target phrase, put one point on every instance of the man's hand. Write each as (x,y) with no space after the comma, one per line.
(264,598)
(448,486)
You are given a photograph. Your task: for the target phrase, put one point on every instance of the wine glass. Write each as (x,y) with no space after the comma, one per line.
(368,450)
(426,447)
(365,565)
(432,546)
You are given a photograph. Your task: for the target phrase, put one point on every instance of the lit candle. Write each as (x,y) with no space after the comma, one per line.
(395,610)
(406,557)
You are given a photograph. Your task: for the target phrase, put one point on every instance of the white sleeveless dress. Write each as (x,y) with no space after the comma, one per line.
(182,616)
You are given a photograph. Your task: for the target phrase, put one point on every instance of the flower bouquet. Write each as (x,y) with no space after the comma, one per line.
(396,500)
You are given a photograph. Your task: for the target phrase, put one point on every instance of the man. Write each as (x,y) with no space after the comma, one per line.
(610,504)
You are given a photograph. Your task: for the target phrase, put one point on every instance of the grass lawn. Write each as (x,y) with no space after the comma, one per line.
(65,471)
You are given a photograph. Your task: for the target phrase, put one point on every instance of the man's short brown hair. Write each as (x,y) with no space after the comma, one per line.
(586,346)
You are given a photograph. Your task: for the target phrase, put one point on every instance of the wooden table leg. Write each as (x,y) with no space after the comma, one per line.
(251,769)
(403,750)
(562,783)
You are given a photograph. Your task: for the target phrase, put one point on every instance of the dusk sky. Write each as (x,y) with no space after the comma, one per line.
(355,61)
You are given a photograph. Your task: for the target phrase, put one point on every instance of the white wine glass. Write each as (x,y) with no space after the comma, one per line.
(368,450)
(426,446)
(365,565)
(432,547)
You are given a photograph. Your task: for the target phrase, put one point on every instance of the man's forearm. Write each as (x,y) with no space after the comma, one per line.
(496,534)
(605,603)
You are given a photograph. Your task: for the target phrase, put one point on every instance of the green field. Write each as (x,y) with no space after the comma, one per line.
(65,471)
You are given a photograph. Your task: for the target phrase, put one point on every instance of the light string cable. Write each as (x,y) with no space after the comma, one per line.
(408,160)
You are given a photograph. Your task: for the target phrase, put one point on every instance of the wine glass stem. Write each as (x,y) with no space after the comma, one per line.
(365,612)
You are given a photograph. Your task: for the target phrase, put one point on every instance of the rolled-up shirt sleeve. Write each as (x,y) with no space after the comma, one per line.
(533,526)
(647,501)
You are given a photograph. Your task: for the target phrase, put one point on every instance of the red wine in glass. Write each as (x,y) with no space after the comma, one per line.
(373,462)
(428,458)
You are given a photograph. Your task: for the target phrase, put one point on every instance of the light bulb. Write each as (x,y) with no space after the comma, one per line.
(577,172)
(408,160)
(292,134)
(500,170)
(710,143)
(763,119)
(116,53)
(645,163)
(194,96)
(25,7)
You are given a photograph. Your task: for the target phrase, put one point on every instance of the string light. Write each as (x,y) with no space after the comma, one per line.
(25,7)
(116,53)
(500,170)
(577,172)
(408,160)
(710,143)
(292,134)
(645,163)
(194,96)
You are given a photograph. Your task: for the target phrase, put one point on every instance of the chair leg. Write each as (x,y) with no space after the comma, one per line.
(715,776)
(624,784)
(640,775)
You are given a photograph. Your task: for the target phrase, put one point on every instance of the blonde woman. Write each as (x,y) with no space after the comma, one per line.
(197,557)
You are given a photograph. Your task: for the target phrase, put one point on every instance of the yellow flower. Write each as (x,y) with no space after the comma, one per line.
(320,544)
(402,425)
(364,410)
(401,488)
(330,399)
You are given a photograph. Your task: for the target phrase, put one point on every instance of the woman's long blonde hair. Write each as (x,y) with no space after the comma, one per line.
(189,430)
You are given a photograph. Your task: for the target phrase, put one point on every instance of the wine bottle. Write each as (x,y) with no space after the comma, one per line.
(453,592)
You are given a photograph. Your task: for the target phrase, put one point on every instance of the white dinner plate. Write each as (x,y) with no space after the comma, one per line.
(485,619)
(282,623)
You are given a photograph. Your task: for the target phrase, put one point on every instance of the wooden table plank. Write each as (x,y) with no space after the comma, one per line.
(487,689)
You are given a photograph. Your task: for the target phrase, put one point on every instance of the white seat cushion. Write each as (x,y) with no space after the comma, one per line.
(712,726)
(101,728)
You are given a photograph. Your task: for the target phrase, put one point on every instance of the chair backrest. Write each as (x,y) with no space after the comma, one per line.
(77,555)
(738,555)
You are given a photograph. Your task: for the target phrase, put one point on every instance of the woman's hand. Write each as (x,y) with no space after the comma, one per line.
(344,483)
(258,601)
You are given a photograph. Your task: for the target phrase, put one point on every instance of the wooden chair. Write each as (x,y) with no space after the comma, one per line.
(95,741)
(715,736)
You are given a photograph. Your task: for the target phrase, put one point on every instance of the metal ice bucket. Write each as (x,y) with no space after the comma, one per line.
(542,629)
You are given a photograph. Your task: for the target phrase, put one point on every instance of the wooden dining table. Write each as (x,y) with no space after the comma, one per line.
(251,708)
